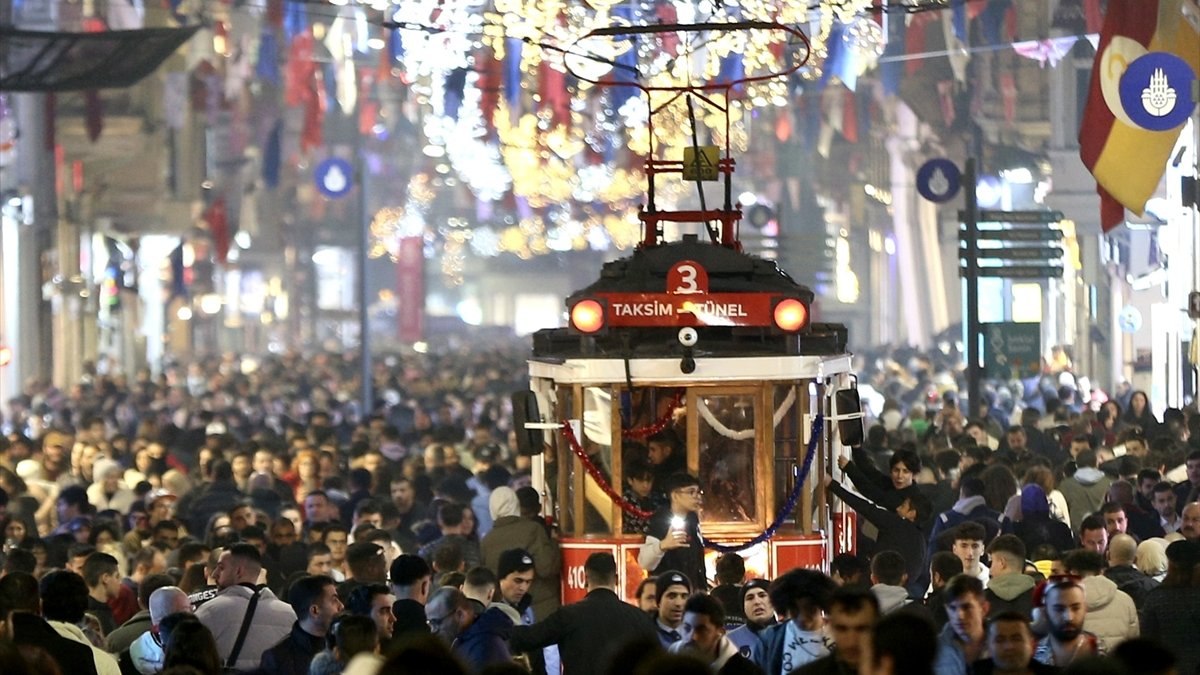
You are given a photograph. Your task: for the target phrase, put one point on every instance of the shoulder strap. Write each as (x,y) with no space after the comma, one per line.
(241,636)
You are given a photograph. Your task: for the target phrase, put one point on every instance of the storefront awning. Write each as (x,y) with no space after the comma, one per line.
(58,61)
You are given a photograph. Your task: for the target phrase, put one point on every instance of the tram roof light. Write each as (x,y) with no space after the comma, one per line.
(790,315)
(587,316)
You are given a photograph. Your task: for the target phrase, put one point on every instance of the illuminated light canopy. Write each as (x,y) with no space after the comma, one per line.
(791,315)
(587,316)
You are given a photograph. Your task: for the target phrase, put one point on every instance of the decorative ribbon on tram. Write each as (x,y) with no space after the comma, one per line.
(661,423)
(788,506)
(597,475)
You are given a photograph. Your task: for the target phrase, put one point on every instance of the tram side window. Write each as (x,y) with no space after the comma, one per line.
(597,432)
(789,450)
(727,457)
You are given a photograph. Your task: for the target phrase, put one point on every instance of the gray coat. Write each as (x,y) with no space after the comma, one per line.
(223,615)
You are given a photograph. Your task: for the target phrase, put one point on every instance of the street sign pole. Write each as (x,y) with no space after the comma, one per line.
(972,274)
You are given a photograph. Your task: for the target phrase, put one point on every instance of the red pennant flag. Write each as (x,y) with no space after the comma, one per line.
(850,117)
(1128,161)
(218,228)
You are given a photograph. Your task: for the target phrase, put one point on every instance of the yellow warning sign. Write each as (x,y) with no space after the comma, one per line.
(700,163)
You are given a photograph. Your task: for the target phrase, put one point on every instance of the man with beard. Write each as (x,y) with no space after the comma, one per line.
(1191,522)
(479,639)
(757,606)
(852,612)
(1010,642)
(1065,606)
(703,635)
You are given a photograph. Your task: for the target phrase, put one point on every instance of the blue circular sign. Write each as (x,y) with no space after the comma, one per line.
(938,180)
(334,177)
(1156,91)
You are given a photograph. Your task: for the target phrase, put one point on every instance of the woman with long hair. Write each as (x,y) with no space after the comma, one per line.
(187,642)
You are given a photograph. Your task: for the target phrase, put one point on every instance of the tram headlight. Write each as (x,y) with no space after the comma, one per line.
(790,315)
(587,316)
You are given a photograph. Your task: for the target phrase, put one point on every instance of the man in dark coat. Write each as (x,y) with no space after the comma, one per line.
(590,632)
(218,496)
(411,578)
(478,637)
(20,597)
(1122,551)
(316,603)
(899,529)
(703,632)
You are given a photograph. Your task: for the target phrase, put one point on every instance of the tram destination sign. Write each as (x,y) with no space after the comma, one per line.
(1022,272)
(702,309)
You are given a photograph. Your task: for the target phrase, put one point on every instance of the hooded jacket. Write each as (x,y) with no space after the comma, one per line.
(1011,592)
(146,654)
(1111,616)
(1084,493)
(971,508)
(509,531)
(485,641)
(891,598)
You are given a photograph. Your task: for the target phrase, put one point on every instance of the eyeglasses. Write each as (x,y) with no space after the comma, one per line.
(691,492)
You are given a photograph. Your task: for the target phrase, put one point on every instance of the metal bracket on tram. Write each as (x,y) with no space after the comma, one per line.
(847,413)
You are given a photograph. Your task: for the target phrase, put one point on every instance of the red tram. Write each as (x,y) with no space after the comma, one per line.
(720,346)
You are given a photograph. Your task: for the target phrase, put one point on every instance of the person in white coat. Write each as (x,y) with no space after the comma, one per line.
(237,574)
(1111,614)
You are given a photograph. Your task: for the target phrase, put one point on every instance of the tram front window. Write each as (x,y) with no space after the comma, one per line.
(727,457)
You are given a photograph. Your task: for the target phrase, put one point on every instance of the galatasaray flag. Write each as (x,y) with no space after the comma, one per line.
(1128,161)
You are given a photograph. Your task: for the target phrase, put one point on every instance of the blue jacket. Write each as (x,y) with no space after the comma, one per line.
(485,641)
(948,520)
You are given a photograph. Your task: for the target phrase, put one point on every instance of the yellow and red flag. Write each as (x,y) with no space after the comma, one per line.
(1128,161)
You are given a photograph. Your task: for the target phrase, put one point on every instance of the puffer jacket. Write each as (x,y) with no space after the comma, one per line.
(272,622)
(485,642)
(1111,616)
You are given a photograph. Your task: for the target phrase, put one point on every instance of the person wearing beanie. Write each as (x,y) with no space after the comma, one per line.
(109,491)
(673,589)
(731,572)
(756,605)
(515,575)
(1037,526)
(512,532)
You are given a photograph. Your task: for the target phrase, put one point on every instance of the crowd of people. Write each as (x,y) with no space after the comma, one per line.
(243,514)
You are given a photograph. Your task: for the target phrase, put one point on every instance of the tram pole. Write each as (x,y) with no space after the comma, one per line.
(364,295)
(971,238)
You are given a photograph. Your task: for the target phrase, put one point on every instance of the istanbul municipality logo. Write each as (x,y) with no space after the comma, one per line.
(1156,91)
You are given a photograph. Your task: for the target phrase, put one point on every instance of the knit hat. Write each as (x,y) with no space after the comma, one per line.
(753,584)
(668,579)
(503,502)
(1033,499)
(513,560)
(102,467)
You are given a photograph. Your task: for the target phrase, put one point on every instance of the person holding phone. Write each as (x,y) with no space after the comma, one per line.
(673,539)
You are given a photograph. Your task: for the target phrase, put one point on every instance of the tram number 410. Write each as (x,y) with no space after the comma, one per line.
(576,579)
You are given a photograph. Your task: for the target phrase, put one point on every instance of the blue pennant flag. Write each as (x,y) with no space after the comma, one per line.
(840,61)
(732,69)
(512,71)
(991,21)
(267,68)
(456,81)
(295,20)
(395,44)
(891,66)
(958,19)
(272,156)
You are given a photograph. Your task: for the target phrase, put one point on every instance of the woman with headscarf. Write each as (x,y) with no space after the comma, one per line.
(1035,526)
(510,531)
